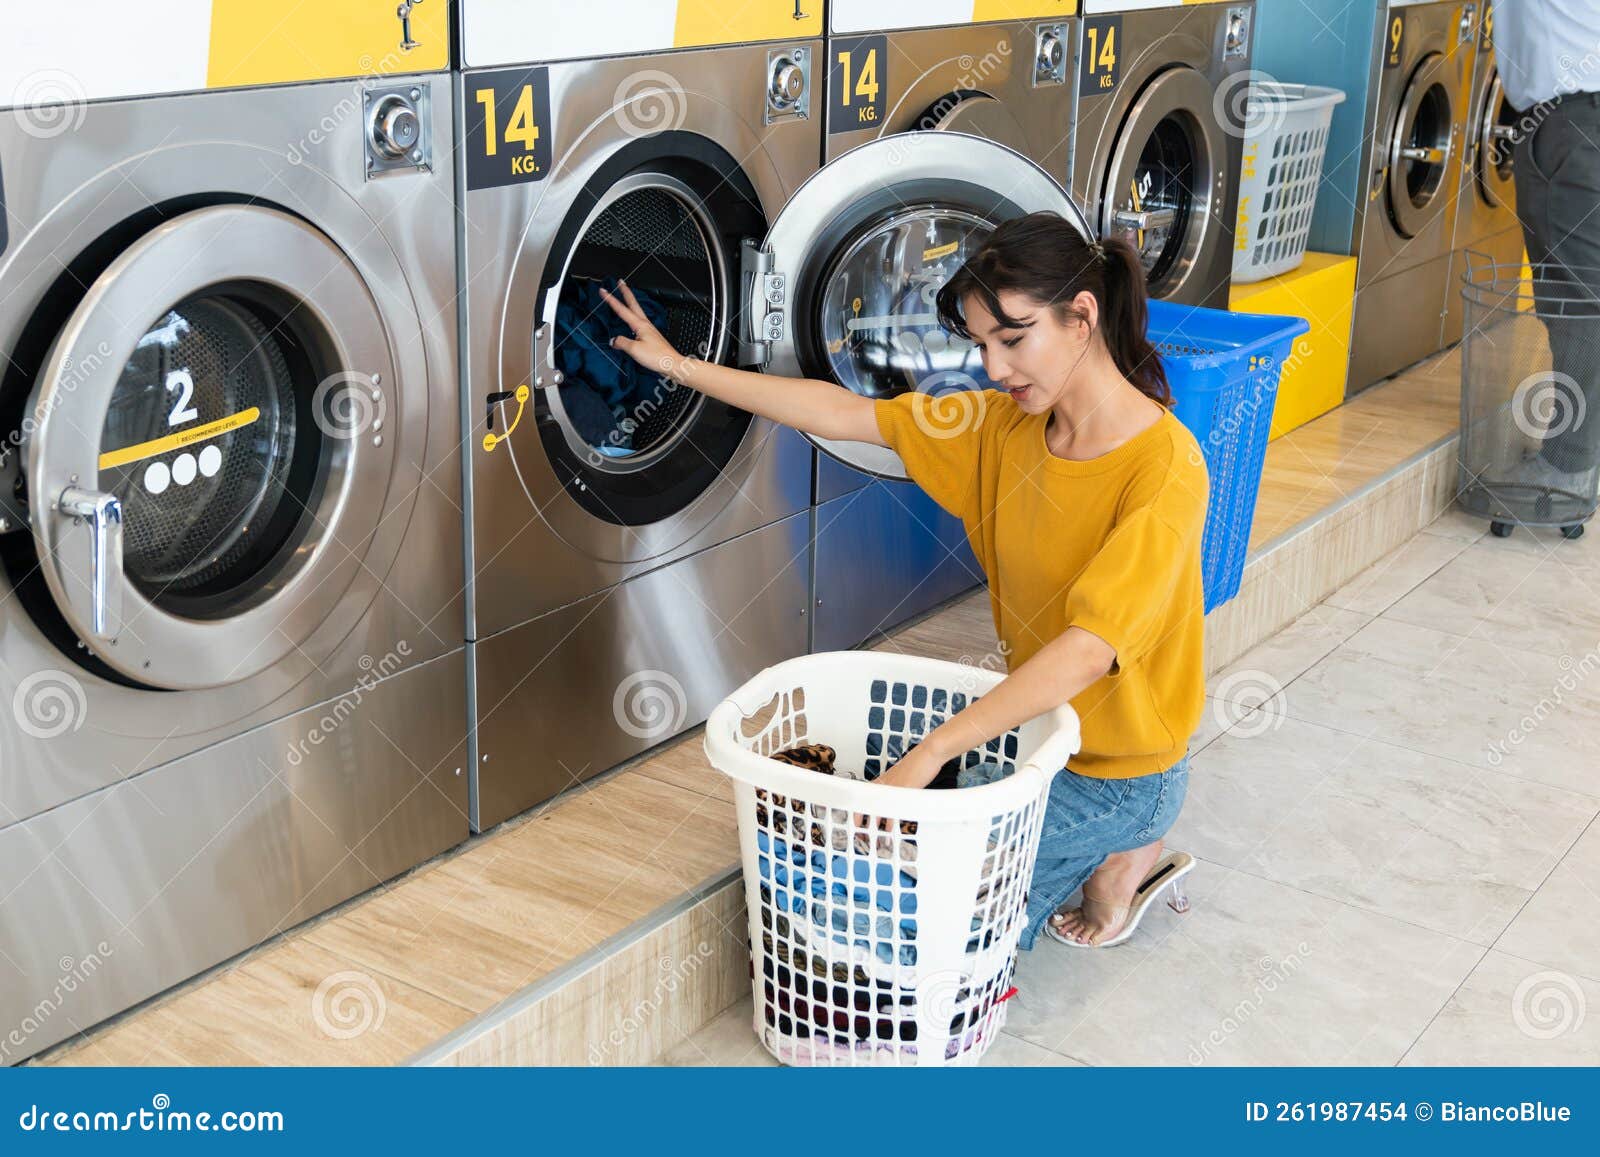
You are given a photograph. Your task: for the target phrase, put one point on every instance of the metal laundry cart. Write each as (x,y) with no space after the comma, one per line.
(1529,452)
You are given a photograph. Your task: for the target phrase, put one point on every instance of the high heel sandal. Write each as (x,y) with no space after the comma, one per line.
(1167,874)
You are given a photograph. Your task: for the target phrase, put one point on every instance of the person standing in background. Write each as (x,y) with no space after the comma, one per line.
(1548,52)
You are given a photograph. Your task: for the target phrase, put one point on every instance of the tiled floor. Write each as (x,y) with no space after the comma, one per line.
(1394,804)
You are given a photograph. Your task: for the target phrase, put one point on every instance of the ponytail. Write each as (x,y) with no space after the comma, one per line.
(1045,257)
(1125,320)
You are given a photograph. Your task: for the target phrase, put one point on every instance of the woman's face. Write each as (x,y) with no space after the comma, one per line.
(1035,361)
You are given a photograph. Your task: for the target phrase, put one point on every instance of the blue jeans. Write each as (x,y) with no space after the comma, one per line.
(1085,820)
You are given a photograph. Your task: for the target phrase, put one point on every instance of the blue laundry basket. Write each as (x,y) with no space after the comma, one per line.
(1223,368)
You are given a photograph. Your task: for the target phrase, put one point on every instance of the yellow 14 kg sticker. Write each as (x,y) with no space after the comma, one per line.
(508,127)
(857,82)
(1102,55)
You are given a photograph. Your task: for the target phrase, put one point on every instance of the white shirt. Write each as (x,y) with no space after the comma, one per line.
(1546,48)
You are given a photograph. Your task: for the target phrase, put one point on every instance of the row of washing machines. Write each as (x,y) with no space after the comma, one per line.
(330,529)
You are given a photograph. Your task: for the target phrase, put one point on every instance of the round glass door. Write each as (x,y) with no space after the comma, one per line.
(209,447)
(1419,147)
(1161,176)
(877,324)
(630,445)
(205,480)
(860,252)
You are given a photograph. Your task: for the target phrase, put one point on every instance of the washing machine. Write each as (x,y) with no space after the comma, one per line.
(1486,226)
(885,551)
(1412,166)
(230,542)
(639,549)
(1159,137)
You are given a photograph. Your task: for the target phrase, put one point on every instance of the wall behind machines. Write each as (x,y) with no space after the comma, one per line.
(1305,42)
(191,45)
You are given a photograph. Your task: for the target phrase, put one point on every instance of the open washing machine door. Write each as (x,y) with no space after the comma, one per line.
(1163,178)
(205,455)
(1420,140)
(844,285)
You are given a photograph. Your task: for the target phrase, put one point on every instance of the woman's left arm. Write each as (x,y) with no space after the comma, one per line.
(1057,673)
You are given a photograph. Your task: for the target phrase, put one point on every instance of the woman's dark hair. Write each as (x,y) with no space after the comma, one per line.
(1045,257)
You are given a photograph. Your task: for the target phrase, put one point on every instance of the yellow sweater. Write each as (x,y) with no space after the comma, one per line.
(1111,545)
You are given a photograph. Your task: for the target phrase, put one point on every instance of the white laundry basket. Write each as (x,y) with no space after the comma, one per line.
(1286,136)
(893,942)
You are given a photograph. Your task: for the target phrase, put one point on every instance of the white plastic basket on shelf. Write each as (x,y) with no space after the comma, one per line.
(1286,136)
(883,920)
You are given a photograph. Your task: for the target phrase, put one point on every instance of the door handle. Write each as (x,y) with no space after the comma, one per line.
(1504,133)
(1430,155)
(1144,218)
(103,513)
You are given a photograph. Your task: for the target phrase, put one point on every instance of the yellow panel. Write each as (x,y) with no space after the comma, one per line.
(703,22)
(255,43)
(1322,290)
(1022,9)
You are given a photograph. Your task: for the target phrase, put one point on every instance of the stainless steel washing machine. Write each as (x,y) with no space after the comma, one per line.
(1159,138)
(885,551)
(640,549)
(1486,206)
(1423,58)
(229,495)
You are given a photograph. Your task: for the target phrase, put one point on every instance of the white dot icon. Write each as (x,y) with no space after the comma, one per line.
(210,461)
(157,477)
(183,469)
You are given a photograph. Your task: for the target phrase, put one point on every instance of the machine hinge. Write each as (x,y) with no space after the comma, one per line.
(764,323)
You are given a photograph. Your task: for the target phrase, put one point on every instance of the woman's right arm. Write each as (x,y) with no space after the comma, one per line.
(813,407)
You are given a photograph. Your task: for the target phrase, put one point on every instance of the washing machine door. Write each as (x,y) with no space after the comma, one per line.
(844,286)
(1162,178)
(1494,142)
(205,454)
(1420,140)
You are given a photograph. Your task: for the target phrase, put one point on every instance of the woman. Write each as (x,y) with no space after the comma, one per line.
(1083,497)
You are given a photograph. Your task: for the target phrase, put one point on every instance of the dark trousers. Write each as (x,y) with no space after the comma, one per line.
(1557,172)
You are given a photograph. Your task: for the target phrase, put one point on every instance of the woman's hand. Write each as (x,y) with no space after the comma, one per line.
(646,346)
(916,768)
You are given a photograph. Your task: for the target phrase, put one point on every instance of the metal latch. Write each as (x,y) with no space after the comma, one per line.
(397,136)
(764,292)
(1144,219)
(1236,42)
(1049,55)
(103,514)
(788,85)
(407,42)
